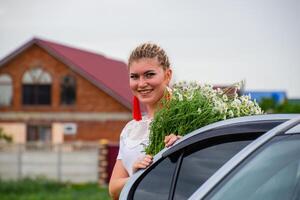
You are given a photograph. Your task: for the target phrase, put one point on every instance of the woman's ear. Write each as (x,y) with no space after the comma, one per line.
(168,75)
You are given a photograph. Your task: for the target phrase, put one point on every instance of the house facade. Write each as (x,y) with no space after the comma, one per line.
(55,93)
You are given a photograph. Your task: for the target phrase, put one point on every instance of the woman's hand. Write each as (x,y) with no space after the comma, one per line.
(171,139)
(142,163)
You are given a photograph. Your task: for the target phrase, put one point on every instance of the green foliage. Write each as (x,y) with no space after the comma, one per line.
(193,106)
(40,189)
(4,136)
(175,116)
(270,106)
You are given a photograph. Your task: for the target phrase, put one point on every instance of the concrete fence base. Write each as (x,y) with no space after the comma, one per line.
(78,162)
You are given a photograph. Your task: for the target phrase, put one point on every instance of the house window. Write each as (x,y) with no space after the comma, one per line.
(40,133)
(36,87)
(5,90)
(68,90)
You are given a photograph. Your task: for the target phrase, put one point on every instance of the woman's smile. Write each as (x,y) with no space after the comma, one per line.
(145,92)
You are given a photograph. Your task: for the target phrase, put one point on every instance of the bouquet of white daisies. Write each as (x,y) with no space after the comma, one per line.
(190,106)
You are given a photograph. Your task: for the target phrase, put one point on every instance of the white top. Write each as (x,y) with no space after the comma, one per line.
(134,136)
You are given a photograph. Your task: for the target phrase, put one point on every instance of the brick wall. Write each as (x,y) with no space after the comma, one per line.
(93,131)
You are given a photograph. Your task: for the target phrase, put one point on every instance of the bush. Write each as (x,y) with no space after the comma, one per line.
(270,106)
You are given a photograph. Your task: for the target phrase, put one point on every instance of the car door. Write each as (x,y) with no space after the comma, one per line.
(268,169)
(183,168)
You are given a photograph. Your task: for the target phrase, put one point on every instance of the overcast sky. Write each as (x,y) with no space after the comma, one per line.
(212,41)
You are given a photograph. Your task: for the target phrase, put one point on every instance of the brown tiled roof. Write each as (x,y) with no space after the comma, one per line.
(109,75)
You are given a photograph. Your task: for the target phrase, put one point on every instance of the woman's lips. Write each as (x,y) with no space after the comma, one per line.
(145,92)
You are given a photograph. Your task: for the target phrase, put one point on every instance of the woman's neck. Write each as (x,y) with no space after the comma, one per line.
(150,110)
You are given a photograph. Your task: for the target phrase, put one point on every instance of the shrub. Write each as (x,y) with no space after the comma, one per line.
(270,106)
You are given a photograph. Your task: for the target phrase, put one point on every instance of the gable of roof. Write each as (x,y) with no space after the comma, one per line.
(109,75)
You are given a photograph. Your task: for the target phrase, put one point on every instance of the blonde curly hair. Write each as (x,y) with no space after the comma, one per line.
(150,50)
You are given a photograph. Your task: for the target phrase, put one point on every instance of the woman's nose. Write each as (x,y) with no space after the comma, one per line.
(142,82)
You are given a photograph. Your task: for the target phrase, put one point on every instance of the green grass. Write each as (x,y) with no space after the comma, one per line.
(42,189)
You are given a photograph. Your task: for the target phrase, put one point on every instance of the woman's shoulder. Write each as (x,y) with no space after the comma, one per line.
(127,128)
(129,124)
(133,124)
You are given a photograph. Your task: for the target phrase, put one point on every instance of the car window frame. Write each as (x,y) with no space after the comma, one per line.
(208,142)
(275,139)
(227,168)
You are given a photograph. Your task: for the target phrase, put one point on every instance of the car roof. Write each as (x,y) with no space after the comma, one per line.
(283,128)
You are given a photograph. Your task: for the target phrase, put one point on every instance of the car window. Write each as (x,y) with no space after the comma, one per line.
(271,173)
(202,160)
(157,183)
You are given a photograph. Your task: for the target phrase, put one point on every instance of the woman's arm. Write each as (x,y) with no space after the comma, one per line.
(120,176)
(117,180)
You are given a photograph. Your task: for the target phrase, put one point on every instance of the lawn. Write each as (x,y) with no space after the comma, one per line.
(42,189)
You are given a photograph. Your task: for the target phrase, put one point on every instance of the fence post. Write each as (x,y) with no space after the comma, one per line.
(59,161)
(19,158)
(102,162)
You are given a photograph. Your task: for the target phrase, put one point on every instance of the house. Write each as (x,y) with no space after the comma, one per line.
(55,93)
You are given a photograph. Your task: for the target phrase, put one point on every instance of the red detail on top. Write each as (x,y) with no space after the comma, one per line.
(136,109)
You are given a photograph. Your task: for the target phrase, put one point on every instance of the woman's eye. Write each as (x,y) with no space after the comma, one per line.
(149,75)
(134,77)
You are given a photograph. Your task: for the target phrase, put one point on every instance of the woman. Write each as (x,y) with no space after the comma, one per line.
(150,75)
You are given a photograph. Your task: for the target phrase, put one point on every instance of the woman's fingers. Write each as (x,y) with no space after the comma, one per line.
(171,139)
(147,160)
(143,163)
(168,137)
(148,157)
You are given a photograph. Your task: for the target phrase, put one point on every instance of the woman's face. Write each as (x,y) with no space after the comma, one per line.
(148,80)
